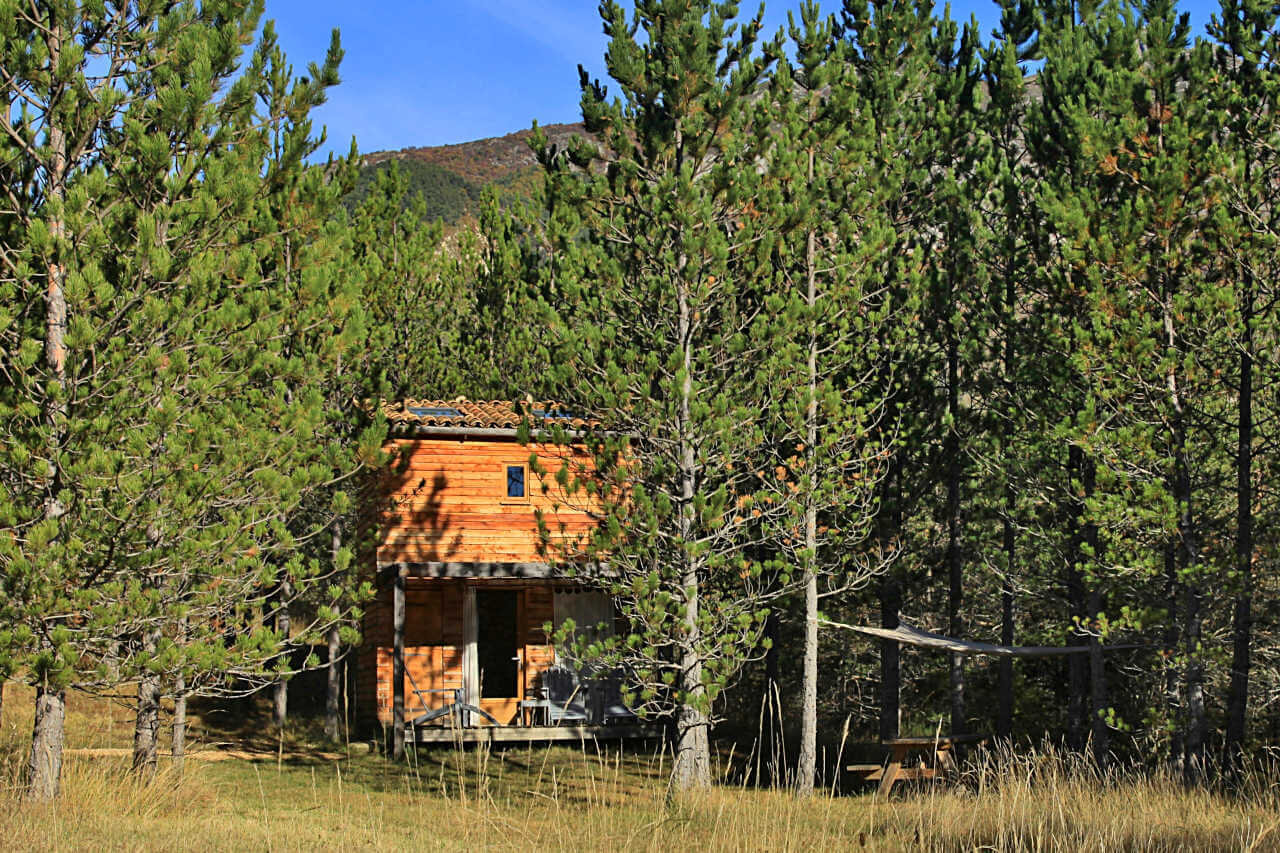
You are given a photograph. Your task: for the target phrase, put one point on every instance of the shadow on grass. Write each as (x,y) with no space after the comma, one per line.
(585,774)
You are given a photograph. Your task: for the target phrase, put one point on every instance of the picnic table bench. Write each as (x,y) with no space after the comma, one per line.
(901,748)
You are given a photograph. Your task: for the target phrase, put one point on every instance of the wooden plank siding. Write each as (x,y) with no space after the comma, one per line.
(448,503)
(433,643)
(448,525)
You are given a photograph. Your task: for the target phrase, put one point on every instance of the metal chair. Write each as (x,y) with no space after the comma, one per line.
(459,707)
(607,694)
(566,698)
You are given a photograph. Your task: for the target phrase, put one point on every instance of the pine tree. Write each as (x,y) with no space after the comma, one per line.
(894,72)
(662,259)
(1245,98)
(1058,168)
(1021,384)
(510,277)
(1140,245)
(302,260)
(956,315)
(420,311)
(833,338)
(1004,78)
(156,448)
(1061,169)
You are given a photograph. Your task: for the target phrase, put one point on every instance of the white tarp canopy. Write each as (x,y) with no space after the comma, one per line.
(914,636)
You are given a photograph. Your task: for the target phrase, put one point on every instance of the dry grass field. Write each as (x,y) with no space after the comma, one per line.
(582,799)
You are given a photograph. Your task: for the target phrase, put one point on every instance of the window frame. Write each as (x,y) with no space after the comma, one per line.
(505,497)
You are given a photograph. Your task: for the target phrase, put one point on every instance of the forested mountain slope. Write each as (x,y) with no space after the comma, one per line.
(451,178)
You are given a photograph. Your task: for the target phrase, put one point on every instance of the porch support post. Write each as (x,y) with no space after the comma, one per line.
(397,669)
(470,661)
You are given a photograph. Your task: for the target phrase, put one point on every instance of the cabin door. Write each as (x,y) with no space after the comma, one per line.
(498,659)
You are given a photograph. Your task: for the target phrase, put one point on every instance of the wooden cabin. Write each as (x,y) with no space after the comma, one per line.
(455,644)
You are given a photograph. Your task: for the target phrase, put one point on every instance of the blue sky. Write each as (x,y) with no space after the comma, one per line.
(432,73)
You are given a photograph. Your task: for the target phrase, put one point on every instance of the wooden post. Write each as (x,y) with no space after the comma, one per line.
(397,669)
(470,654)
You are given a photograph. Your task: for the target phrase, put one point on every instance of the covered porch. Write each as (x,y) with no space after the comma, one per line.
(459,653)
(532,734)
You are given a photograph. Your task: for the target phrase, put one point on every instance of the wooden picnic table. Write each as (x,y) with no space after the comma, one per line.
(901,748)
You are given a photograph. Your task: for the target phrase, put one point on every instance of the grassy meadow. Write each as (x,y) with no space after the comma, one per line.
(239,795)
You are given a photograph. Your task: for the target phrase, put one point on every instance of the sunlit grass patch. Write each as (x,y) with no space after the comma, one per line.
(587,796)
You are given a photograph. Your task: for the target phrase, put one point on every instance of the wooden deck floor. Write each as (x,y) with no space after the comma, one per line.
(529,734)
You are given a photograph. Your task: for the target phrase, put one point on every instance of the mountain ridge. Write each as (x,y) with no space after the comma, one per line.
(451,179)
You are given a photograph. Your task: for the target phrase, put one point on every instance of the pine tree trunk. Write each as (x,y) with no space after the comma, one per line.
(693,746)
(1004,709)
(1004,688)
(178,744)
(1242,617)
(45,762)
(1194,767)
(44,767)
(1077,665)
(1194,746)
(397,668)
(178,741)
(806,769)
(280,691)
(1189,550)
(890,606)
(146,726)
(955,567)
(1173,698)
(337,667)
(280,703)
(771,732)
(333,692)
(890,661)
(1099,734)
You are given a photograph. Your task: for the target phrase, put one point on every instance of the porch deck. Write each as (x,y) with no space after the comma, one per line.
(529,734)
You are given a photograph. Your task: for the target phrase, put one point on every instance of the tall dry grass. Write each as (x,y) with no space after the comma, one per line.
(1047,800)
(561,798)
(571,799)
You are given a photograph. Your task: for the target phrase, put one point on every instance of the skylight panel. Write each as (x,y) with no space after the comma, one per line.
(435,411)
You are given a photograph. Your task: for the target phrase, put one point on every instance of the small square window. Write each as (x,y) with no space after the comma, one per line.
(515,481)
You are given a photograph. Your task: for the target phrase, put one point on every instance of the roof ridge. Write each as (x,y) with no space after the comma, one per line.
(461,412)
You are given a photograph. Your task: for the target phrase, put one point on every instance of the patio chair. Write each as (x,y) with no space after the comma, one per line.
(566,696)
(455,706)
(607,701)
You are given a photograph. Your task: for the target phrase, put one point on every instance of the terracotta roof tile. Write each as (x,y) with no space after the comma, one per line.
(475,414)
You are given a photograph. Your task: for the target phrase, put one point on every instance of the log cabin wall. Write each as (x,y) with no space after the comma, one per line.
(434,643)
(449,502)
